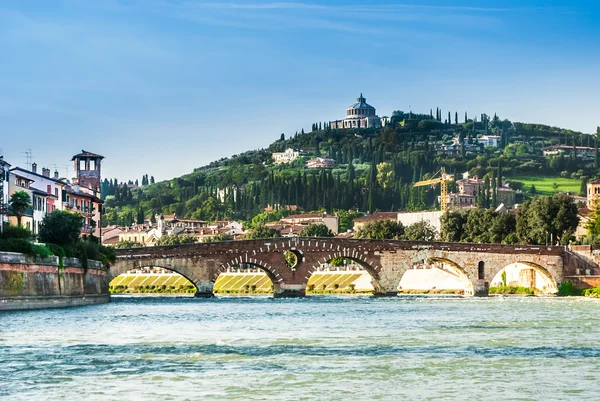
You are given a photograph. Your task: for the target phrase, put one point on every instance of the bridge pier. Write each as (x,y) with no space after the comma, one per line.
(203,294)
(204,289)
(289,291)
(385,294)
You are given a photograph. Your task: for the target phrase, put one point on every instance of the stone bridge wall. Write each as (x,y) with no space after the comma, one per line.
(385,260)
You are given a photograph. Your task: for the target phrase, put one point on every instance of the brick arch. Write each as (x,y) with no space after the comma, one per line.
(122,267)
(428,255)
(271,272)
(535,266)
(369,264)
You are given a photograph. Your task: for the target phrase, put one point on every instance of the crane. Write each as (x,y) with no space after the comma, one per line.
(443,180)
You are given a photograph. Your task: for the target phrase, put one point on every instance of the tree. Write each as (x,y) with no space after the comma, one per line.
(152,180)
(261,232)
(19,202)
(381,229)
(346,219)
(316,230)
(61,228)
(452,226)
(385,174)
(547,220)
(420,231)
(282,137)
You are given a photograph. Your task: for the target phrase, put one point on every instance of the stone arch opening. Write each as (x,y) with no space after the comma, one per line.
(435,275)
(481,270)
(246,278)
(344,274)
(150,279)
(525,278)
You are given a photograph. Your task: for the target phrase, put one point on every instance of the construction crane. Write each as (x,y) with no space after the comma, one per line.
(443,180)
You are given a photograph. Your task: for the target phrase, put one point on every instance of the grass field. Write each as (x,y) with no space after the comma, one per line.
(545,185)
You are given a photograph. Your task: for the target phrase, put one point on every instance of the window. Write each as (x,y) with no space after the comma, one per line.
(81,164)
(481,270)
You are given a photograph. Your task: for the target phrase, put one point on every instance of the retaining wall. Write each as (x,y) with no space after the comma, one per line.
(34,283)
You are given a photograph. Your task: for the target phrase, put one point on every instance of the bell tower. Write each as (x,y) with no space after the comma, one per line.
(87,167)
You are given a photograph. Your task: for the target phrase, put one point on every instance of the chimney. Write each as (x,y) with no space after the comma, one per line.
(46,172)
(56,174)
(34,168)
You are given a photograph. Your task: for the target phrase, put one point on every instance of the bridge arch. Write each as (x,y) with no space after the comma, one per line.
(122,267)
(368,264)
(455,267)
(271,272)
(546,275)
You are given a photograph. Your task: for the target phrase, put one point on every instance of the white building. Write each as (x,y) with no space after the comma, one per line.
(432,218)
(44,183)
(359,115)
(490,140)
(4,183)
(39,201)
(286,157)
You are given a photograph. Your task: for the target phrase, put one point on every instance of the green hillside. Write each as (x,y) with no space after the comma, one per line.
(375,170)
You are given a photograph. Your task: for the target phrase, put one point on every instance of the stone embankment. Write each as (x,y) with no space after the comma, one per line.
(35,283)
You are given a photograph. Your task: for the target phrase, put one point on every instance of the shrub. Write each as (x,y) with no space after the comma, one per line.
(566,289)
(56,250)
(18,245)
(511,290)
(42,251)
(15,232)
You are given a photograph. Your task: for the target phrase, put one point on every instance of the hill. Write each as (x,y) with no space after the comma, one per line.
(375,169)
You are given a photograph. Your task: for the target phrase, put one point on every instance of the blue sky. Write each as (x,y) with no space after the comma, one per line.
(163,86)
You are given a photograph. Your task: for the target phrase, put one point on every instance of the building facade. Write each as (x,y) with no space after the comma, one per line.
(320,162)
(359,115)
(286,157)
(4,185)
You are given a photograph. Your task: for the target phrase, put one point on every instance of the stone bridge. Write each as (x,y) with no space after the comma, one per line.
(385,260)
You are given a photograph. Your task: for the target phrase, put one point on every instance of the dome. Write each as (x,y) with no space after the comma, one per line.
(361,103)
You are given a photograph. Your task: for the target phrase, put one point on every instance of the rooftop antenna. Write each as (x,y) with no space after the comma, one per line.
(28,159)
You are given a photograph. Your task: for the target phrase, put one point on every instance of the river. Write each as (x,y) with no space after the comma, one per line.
(317,348)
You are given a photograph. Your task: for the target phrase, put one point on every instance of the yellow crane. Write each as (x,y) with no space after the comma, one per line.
(443,180)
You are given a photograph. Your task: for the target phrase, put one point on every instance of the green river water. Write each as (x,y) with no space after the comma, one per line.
(317,348)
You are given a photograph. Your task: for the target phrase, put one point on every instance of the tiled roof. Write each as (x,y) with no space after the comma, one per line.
(85,153)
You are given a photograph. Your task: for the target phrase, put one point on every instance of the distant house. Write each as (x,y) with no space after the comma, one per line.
(581,152)
(330,220)
(454,148)
(320,162)
(489,140)
(286,157)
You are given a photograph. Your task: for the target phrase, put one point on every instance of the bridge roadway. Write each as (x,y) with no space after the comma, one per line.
(385,260)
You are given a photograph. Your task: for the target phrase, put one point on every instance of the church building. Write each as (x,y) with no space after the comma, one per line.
(359,115)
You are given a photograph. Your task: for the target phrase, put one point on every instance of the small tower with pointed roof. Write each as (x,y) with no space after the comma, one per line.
(87,167)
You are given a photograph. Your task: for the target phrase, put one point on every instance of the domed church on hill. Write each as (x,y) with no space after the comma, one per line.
(359,115)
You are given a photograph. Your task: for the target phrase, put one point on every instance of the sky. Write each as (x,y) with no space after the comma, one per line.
(160,87)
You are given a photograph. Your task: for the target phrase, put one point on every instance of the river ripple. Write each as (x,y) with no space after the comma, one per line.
(316,348)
